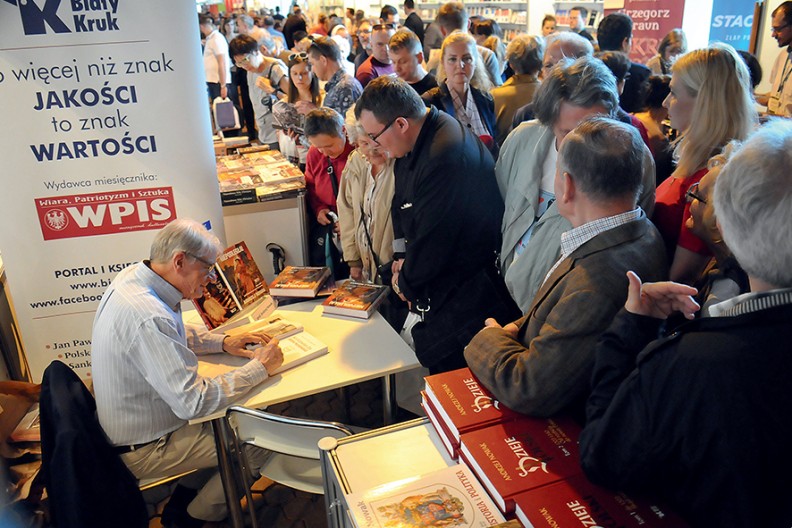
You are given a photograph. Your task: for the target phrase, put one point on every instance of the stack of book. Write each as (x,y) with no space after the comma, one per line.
(355,299)
(456,403)
(530,467)
(256,174)
(299,281)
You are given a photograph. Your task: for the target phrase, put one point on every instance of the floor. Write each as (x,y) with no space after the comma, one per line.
(281,507)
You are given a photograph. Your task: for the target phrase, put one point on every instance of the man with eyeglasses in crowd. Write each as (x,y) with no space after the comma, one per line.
(145,371)
(446,214)
(266,78)
(379,63)
(779,99)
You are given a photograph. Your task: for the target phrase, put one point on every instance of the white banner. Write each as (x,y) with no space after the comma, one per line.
(105,138)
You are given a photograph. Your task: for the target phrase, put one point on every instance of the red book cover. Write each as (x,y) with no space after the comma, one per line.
(577,502)
(514,457)
(451,445)
(463,403)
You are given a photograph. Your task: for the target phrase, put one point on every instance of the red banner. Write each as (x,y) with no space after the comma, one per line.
(652,20)
(82,215)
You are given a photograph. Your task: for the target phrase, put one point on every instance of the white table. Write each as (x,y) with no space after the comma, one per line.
(358,350)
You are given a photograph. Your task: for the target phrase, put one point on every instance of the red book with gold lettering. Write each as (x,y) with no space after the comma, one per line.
(442,431)
(514,457)
(577,502)
(463,404)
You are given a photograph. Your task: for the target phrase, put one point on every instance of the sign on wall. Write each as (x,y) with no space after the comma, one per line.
(652,20)
(106,138)
(731,22)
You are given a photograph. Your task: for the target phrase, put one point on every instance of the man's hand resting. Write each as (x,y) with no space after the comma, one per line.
(237,345)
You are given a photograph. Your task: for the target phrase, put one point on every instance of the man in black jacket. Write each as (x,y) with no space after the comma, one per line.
(615,34)
(446,219)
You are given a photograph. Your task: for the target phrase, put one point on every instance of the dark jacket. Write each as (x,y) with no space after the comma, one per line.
(88,484)
(634,93)
(701,419)
(446,211)
(441,98)
(414,22)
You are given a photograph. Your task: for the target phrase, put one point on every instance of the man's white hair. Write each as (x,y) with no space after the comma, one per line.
(753,204)
(184,235)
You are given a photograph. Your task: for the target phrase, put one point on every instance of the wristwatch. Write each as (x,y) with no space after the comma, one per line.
(395,285)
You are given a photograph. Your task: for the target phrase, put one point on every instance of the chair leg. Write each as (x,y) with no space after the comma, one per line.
(343,396)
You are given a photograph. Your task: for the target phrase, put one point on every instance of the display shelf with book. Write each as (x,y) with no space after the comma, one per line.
(257,174)
(355,299)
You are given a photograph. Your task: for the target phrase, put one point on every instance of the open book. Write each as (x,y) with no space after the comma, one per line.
(298,346)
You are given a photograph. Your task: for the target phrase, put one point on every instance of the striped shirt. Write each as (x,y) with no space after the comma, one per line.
(144,365)
(574,238)
(751,302)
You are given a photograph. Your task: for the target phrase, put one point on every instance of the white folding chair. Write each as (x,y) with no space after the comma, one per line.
(294,459)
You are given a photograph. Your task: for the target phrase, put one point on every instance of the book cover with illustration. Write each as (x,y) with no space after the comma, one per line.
(217,306)
(355,299)
(517,456)
(241,274)
(299,281)
(450,497)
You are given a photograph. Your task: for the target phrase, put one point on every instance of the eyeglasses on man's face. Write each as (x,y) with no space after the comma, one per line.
(210,266)
(693,194)
(376,136)
(245,59)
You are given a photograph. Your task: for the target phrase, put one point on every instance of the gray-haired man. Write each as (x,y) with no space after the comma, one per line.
(145,371)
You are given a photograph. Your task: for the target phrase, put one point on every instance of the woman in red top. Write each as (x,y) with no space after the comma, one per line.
(710,104)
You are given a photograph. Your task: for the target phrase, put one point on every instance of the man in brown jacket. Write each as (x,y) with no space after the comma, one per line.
(541,364)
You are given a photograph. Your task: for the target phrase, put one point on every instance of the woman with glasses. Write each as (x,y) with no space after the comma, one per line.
(303,86)
(710,104)
(364,206)
(463,88)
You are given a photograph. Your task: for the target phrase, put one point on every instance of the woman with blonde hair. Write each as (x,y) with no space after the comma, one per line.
(710,104)
(463,88)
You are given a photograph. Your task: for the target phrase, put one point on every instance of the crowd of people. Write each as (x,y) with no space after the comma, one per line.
(590,236)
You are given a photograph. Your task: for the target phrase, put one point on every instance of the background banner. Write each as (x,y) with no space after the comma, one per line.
(652,20)
(106,137)
(731,22)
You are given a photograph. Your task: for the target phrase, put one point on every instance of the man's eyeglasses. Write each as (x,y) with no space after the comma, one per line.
(375,137)
(210,266)
(778,29)
(302,56)
(386,27)
(244,60)
(692,194)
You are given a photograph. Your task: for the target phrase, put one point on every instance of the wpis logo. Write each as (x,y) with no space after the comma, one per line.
(87,16)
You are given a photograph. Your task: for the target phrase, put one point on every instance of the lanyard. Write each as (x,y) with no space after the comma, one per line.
(784,75)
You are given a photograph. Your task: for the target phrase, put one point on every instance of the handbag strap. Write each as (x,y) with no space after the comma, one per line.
(333,180)
(368,238)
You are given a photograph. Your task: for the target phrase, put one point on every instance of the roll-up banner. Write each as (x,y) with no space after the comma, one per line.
(106,137)
(652,20)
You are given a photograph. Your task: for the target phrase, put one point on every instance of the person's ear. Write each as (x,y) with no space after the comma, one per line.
(568,188)
(178,260)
